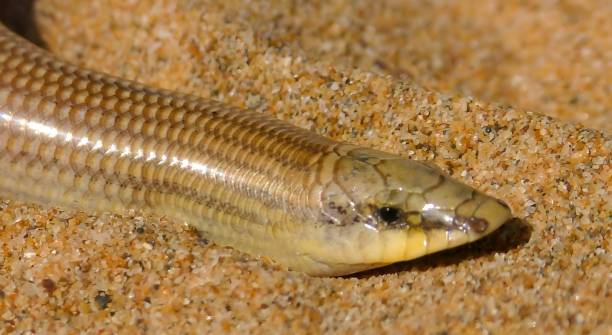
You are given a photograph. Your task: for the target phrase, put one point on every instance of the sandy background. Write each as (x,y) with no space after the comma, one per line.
(459,83)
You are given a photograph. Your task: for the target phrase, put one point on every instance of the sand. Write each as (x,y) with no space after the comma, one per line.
(511,97)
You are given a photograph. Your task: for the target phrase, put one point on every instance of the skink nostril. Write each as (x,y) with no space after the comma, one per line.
(478,225)
(470,223)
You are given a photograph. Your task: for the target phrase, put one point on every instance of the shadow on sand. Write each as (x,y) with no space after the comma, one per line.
(18,15)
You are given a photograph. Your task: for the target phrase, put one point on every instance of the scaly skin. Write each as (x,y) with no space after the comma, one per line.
(77,138)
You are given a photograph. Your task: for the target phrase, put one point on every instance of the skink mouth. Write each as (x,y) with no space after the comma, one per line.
(461,223)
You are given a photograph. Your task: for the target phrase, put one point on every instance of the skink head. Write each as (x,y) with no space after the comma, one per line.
(379,208)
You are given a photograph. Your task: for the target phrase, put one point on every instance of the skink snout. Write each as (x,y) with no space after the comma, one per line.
(489,215)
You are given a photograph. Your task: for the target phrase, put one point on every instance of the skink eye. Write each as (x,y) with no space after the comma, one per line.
(389,214)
